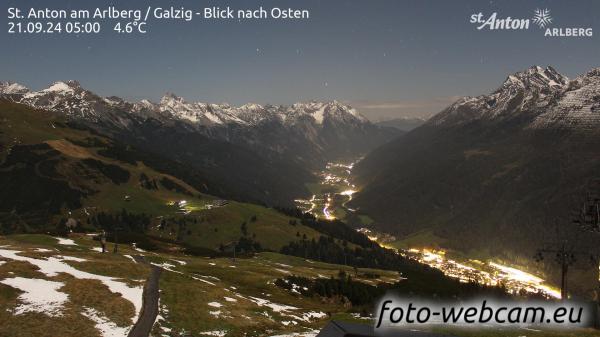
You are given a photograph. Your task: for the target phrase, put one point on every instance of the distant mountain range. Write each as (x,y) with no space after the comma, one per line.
(492,172)
(312,132)
(257,153)
(403,124)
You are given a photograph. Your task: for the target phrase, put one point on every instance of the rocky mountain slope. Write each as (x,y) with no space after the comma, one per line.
(493,172)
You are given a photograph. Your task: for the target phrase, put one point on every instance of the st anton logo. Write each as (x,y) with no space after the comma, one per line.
(541,18)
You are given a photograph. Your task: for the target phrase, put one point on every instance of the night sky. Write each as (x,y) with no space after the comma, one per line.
(387,58)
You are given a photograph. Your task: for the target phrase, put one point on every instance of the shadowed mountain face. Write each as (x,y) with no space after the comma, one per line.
(257,153)
(489,172)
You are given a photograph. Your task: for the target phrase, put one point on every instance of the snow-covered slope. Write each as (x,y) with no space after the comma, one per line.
(578,106)
(11,88)
(525,94)
(67,97)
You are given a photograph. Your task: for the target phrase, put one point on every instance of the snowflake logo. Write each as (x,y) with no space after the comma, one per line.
(542,17)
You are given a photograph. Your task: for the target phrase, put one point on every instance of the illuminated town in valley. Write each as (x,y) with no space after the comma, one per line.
(335,190)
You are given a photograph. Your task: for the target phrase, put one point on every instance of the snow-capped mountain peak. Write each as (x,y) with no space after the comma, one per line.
(12,88)
(536,77)
(63,87)
(178,108)
(541,98)
(578,107)
(251,107)
(145,104)
(332,110)
(170,98)
(253,113)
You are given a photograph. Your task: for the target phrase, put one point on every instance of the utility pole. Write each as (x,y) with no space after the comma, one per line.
(588,219)
(563,256)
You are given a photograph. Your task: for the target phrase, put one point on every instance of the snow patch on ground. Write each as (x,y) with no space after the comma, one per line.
(38,295)
(54,266)
(215,304)
(358,316)
(169,267)
(274,306)
(131,258)
(310,333)
(65,242)
(285,309)
(211,277)
(104,325)
(229,299)
(202,280)
(164,265)
(217,333)
(161,318)
(313,315)
(71,258)
(163,328)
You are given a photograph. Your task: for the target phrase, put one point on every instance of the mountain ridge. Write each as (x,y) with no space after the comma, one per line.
(309,133)
(177,106)
(534,90)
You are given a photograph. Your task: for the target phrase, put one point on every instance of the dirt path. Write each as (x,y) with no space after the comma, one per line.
(149,311)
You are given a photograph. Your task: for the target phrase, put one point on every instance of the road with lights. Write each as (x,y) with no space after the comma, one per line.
(332,193)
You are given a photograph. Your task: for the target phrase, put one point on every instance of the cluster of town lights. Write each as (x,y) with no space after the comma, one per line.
(514,280)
